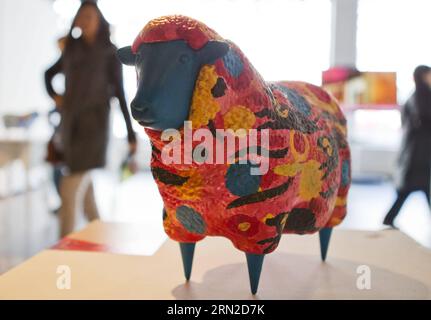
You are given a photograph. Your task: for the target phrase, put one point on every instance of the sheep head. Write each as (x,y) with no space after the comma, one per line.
(167,71)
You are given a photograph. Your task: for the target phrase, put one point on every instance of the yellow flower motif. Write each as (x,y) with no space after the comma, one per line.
(333,221)
(311,180)
(288,170)
(244,226)
(192,188)
(204,107)
(239,117)
(340,202)
(282,112)
(167,222)
(268,216)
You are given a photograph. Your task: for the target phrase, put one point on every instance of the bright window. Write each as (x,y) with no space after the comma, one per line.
(393,35)
(283,39)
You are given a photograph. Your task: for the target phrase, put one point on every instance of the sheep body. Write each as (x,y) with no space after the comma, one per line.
(306,186)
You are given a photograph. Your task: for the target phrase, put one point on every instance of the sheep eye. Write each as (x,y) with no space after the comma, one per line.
(184,58)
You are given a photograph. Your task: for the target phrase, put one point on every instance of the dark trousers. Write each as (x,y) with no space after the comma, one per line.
(402,196)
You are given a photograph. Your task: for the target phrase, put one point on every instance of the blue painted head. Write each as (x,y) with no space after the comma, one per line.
(167,73)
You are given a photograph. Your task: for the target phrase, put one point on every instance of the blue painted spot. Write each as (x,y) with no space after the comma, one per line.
(297,100)
(345,173)
(191,219)
(239,180)
(233,63)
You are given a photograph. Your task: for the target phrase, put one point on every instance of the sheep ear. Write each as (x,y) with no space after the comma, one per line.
(126,56)
(213,50)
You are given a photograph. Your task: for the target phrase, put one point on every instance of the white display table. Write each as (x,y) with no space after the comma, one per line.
(116,268)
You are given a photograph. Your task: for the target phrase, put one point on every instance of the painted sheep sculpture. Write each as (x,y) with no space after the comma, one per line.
(190,79)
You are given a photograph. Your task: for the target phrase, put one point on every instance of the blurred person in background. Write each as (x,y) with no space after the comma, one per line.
(93,75)
(415,156)
(54,153)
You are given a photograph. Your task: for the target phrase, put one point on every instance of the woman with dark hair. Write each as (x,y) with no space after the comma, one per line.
(93,75)
(415,158)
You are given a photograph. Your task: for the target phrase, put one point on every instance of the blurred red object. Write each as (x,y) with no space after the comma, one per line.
(338,74)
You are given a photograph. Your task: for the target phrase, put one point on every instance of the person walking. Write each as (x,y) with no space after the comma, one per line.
(415,156)
(93,75)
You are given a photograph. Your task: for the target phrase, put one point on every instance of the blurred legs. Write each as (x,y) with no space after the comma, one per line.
(401,198)
(90,207)
(396,207)
(77,193)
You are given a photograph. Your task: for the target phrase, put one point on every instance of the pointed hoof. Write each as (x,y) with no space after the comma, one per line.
(325,236)
(254,263)
(187,253)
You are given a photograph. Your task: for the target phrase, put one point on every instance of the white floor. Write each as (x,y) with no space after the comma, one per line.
(369,203)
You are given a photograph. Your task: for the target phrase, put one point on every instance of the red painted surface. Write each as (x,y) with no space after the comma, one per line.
(304,190)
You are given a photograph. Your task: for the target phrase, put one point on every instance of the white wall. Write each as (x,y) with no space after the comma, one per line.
(27,30)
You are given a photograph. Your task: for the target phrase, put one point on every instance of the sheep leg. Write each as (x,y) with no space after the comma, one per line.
(325,236)
(187,253)
(254,263)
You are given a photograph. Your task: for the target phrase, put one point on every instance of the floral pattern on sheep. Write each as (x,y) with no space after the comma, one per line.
(307,183)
